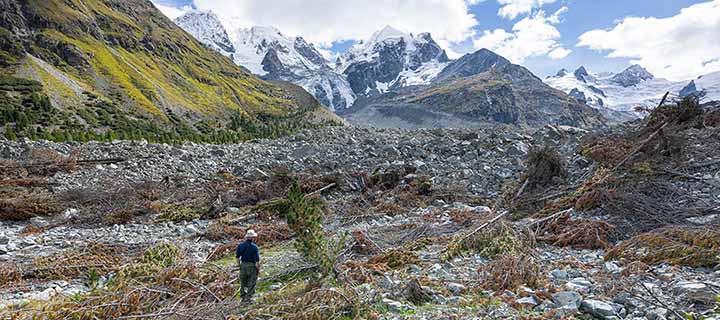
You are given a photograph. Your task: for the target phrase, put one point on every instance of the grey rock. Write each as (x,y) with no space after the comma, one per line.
(695,292)
(530,301)
(579,284)
(387,283)
(559,274)
(567,299)
(394,306)
(657,314)
(456,288)
(599,309)
(612,267)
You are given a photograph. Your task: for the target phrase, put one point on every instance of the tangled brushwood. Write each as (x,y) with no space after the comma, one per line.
(510,271)
(415,225)
(632,188)
(497,239)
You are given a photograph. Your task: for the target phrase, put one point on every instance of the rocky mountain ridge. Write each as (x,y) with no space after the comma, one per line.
(389,67)
(476,90)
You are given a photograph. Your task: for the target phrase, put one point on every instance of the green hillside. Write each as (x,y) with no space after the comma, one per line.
(104,69)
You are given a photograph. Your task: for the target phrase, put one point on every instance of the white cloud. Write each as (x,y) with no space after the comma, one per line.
(511,9)
(534,35)
(326,21)
(680,47)
(559,53)
(171,12)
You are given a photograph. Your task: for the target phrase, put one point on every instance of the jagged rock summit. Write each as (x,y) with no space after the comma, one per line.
(631,76)
(391,59)
(478,89)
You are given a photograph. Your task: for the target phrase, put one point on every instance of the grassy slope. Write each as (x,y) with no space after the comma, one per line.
(127,55)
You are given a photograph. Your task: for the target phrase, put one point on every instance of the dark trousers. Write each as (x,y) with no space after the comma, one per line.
(248,279)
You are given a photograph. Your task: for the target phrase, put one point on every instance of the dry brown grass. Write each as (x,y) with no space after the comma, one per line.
(10,274)
(508,272)
(363,243)
(25,206)
(395,258)
(12,169)
(31,230)
(75,263)
(119,217)
(591,200)
(462,217)
(33,182)
(389,208)
(362,272)
(606,150)
(497,239)
(692,247)
(579,234)
(309,303)
(47,162)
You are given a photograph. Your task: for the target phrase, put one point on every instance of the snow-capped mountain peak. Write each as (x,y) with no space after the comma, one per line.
(206,27)
(631,76)
(253,44)
(707,87)
(581,74)
(267,52)
(391,58)
(388,32)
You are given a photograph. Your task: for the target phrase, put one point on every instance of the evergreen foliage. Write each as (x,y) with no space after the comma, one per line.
(26,112)
(305,217)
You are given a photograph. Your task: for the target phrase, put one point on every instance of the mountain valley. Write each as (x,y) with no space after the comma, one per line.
(389,179)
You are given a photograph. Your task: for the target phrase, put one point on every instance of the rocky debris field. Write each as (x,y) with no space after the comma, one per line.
(559,223)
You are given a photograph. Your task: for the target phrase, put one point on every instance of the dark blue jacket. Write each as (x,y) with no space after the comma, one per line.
(248,252)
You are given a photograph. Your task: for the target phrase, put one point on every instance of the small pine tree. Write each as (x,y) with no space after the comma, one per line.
(305,218)
(10,132)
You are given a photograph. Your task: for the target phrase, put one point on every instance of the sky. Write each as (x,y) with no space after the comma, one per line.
(674,39)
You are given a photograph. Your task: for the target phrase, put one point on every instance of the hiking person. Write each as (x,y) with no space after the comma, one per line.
(248,257)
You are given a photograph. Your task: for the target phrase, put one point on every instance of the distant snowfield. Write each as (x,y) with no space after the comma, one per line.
(601,92)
